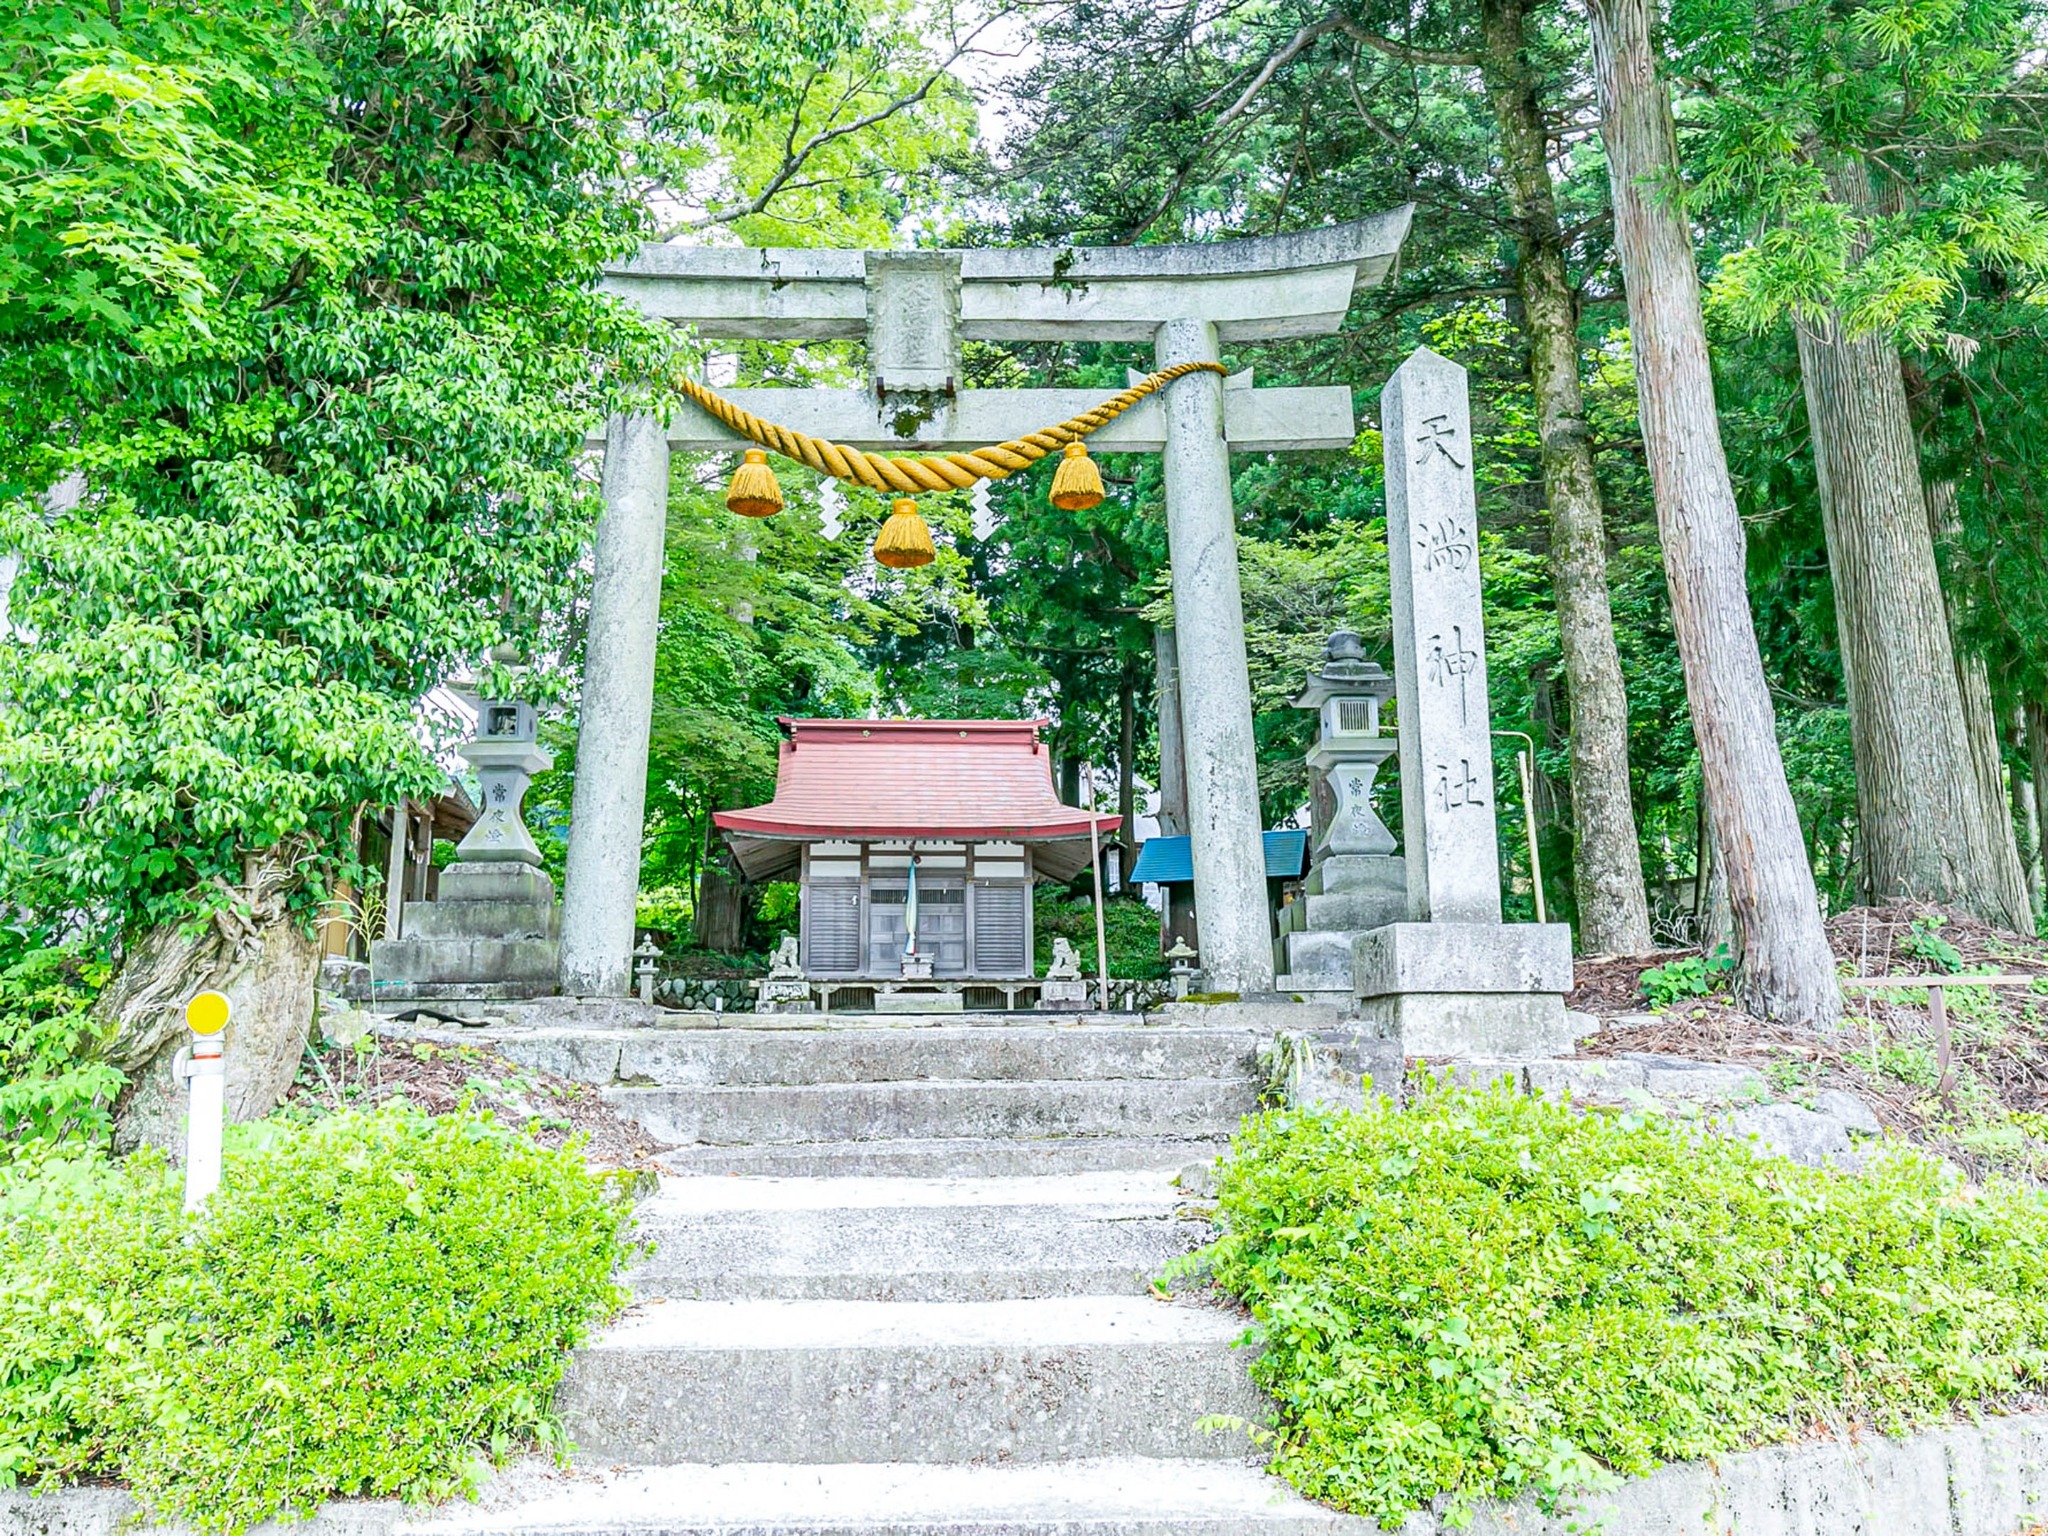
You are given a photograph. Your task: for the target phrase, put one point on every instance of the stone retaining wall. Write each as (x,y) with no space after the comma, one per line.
(1964,1480)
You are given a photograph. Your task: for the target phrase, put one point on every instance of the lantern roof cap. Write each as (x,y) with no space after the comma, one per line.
(1346,672)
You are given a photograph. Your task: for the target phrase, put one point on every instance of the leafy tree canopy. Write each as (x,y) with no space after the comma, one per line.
(301,296)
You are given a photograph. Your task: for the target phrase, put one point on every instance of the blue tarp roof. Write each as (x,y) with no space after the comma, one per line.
(1171,860)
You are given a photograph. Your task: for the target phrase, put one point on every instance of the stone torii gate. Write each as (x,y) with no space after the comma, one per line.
(914,308)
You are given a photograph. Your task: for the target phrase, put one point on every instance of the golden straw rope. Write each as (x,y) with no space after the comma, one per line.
(930,472)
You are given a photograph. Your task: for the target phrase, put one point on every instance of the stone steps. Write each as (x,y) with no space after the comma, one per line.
(900,1283)
(898,1239)
(870,1111)
(844,1381)
(1102,1497)
(949,1156)
(870,1052)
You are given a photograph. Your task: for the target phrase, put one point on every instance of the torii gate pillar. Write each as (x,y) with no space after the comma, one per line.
(1215,678)
(914,309)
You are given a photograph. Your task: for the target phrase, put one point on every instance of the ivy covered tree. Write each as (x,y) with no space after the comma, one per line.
(302,297)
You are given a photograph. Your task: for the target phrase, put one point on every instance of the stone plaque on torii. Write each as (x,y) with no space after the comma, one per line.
(914,309)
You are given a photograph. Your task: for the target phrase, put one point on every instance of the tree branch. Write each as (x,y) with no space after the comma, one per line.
(1278,60)
(1408,53)
(796,156)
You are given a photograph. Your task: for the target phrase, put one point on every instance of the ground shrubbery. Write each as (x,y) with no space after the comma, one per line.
(374,1303)
(53,1086)
(1488,1293)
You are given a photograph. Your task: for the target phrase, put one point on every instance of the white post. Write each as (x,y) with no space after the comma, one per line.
(602,881)
(1215,682)
(207,1015)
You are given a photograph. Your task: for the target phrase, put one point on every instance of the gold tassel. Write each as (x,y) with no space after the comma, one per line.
(904,541)
(753,492)
(1077,483)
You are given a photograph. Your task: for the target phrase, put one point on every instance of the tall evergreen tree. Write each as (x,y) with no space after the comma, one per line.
(1845,135)
(1786,968)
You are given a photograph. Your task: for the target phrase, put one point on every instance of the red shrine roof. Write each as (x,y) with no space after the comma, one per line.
(869,780)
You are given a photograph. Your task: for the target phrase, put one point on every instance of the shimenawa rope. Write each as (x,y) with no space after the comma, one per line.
(930,472)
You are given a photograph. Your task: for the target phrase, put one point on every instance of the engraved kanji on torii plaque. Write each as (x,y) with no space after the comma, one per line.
(1447,801)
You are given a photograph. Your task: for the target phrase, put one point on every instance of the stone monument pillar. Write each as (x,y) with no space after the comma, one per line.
(1453,979)
(616,715)
(1355,881)
(1215,682)
(492,929)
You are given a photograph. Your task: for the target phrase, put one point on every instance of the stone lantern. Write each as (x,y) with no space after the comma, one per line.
(1355,880)
(506,754)
(1346,692)
(492,930)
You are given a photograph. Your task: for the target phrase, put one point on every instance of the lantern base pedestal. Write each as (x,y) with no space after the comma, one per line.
(492,933)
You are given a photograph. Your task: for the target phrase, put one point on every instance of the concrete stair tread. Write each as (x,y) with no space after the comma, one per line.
(684,1195)
(784,1325)
(935,1157)
(1131,1496)
(902,1239)
(930,1084)
(1008,1108)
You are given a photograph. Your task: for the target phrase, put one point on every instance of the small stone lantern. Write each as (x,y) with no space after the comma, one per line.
(1346,692)
(1180,961)
(646,954)
(1355,881)
(492,929)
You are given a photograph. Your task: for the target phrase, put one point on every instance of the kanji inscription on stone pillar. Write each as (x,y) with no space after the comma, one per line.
(1447,800)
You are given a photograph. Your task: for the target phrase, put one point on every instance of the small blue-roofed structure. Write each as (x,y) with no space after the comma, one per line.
(1169,862)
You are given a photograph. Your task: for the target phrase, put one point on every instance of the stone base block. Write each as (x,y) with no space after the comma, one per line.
(1338,998)
(464,881)
(445,919)
(1065,994)
(920,1002)
(1463,957)
(1318,961)
(778,994)
(1501,1026)
(1258,1014)
(1337,911)
(462,968)
(1376,873)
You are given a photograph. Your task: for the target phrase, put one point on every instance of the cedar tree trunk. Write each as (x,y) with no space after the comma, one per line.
(2004,827)
(1607,867)
(1786,970)
(1927,832)
(720,918)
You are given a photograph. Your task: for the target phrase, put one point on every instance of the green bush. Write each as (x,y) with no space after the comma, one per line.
(1688,976)
(376,1303)
(1130,926)
(53,1086)
(1488,1293)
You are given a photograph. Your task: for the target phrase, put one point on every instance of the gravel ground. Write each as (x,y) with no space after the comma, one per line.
(439,1079)
(1976,1105)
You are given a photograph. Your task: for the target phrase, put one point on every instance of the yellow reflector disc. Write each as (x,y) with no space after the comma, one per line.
(208,1013)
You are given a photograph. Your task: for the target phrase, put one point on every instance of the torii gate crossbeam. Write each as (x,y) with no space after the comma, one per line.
(914,308)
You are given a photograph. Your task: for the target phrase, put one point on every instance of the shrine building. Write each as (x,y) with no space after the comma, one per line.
(971,801)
